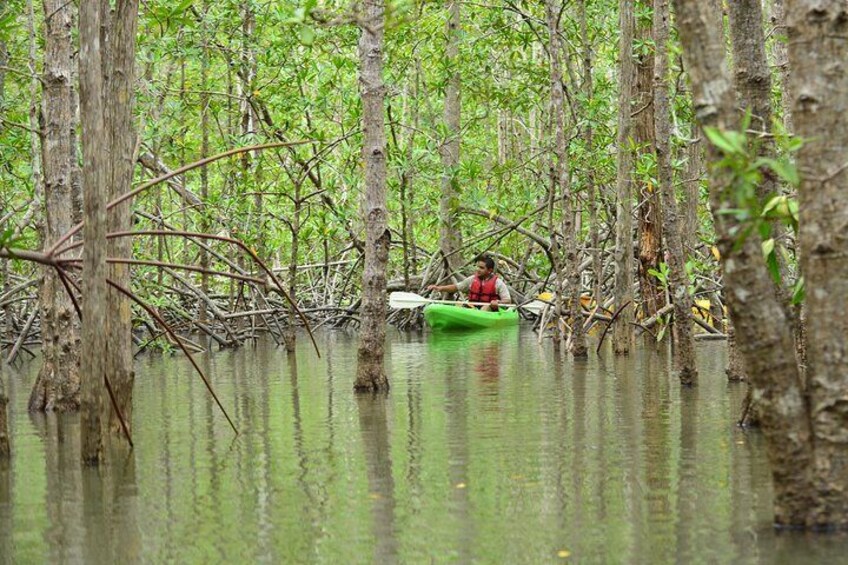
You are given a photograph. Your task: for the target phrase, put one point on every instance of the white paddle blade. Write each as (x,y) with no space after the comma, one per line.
(402,300)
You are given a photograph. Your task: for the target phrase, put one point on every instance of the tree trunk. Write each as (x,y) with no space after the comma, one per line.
(781,61)
(570,285)
(202,313)
(450,238)
(622,330)
(752,78)
(593,191)
(694,173)
(5,445)
(764,338)
(650,225)
(120,88)
(817,55)
(95,139)
(290,336)
(684,346)
(58,382)
(76,170)
(370,373)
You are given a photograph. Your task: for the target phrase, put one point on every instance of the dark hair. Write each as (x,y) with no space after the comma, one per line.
(490,263)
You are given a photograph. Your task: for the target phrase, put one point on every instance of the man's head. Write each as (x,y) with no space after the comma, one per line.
(485,266)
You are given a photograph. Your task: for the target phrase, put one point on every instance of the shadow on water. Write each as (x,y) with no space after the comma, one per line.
(489,448)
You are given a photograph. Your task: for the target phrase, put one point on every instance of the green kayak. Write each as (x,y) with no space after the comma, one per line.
(446,317)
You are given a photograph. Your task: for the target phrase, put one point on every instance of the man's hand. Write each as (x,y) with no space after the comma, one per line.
(494,304)
(432,287)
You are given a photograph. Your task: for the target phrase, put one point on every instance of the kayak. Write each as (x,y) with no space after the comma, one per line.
(446,317)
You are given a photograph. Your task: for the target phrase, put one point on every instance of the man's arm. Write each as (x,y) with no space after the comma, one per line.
(443,288)
(462,286)
(503,292)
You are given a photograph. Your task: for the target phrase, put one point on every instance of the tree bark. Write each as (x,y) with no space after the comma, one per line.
(118,107)
(58,383)
(764,338)
(5,444)
(622,336)
(95,138)
(684,345)
(568,265)
(202,314)
(781,61)
(370,373)
(752,78)
(694,173)
(817,55)
(593,190)
(650,220)
(450,237)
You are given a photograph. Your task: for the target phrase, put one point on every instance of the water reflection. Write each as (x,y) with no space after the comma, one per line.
(373,426)
(489,448)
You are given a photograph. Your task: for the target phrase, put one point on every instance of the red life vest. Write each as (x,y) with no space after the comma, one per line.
(483,291)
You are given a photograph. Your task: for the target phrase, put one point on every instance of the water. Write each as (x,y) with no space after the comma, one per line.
(487,450)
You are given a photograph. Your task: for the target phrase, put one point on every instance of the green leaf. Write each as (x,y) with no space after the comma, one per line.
(723,140)
(799,291)
(307,35)
(773,204)
(768,247)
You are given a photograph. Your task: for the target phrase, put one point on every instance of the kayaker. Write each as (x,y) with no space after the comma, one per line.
(483,286)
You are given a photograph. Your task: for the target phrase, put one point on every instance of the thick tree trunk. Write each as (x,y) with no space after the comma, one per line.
(817,55)
(370,373)
(684,346)
(752,78)
(622,330)
(120,84)
(58,382)
(764,338)
(95,139)
(450,237)
(695,171)
(650,221)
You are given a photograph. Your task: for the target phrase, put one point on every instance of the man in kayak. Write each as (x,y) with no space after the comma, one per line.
(483,286)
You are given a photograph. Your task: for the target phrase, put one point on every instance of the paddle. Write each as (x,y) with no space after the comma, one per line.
(404,300)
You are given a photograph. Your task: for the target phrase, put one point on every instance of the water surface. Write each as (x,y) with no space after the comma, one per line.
(487,450)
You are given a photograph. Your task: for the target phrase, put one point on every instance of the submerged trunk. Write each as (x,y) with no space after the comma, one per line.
(57,384)
(95,178)
(684,345)
(764,338)
(817,55)
(622,330)
(370,373)
(120,92)
(450,238)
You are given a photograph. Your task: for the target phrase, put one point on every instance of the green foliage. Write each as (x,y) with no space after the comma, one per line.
(746,171)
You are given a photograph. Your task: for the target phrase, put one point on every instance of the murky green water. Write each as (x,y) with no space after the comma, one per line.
(486,450)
